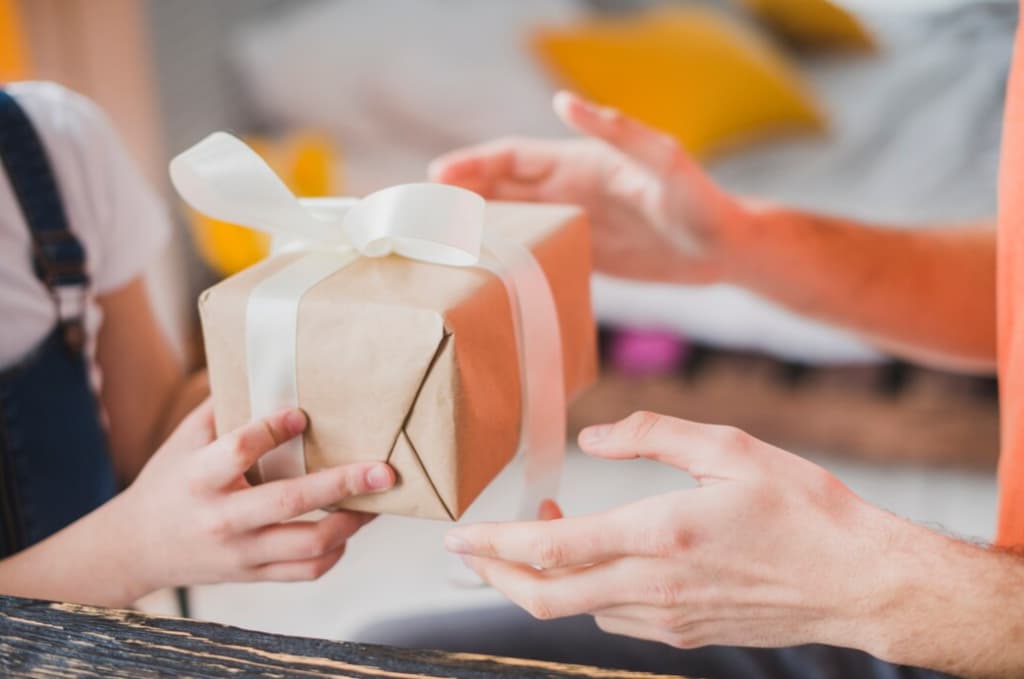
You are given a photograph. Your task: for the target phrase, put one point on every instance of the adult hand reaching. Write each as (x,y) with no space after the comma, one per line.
(655,214)
(769,550)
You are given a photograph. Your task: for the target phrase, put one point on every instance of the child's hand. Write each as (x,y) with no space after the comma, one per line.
(656,215)
(195,519)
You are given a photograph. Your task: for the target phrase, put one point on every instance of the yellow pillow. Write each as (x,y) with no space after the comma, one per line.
(305,163)
(691,71)
(812,23)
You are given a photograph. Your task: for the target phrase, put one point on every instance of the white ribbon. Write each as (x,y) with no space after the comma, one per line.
(225,179)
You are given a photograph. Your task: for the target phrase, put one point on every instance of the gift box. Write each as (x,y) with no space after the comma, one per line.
(413,362)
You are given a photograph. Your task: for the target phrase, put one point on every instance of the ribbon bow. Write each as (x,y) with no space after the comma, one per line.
(225,179)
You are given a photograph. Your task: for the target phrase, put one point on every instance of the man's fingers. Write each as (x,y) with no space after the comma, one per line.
(547,543)
(634,613)
(271,503)
(517,191)
(549,511)
(634,628)
(548,594)
(706,452)
(650,148)
(233,453)
(292,571)
(480,165)
(480,168)
(302,540)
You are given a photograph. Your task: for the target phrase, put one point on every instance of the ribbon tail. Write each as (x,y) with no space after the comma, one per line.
(538,337)
(225,179)
(271,338)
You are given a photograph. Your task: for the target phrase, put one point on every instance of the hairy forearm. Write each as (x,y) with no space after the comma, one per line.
(949,606)
(928,295)
(88,562)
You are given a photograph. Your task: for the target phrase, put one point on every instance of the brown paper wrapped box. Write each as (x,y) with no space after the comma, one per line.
(413,363)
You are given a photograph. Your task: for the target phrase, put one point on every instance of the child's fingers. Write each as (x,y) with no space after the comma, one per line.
(291,571)
(232,454)
(279,501)
(299,540)
(652,149)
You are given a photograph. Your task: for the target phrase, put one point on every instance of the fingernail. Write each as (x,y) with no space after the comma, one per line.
(456,544)
(584,104)
(296,421)
(594,435)
(562,100)
(549,510)
(379,477)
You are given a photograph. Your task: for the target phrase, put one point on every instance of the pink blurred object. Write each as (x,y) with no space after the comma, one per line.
(641,353)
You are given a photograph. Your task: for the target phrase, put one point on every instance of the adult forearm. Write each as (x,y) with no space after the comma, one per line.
(88,562)
(927,294)
(949,606)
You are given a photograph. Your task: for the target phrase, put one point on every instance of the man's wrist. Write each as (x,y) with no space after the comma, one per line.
(871,563)
(944,604)
(898,588)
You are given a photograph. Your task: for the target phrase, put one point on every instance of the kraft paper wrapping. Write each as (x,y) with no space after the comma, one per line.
(413,363)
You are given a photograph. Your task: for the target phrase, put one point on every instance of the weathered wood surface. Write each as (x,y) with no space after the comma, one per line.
(43,639)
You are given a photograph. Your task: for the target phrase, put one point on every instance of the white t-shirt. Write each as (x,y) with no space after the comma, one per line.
(121,222)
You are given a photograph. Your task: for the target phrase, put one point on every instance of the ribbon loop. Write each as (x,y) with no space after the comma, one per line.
(223,178)
(429,222)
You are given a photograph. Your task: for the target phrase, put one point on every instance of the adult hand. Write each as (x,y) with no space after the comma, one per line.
(193,518)
(768,550)
(655,214)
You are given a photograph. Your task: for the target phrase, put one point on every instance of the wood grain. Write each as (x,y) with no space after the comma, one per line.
(44,639)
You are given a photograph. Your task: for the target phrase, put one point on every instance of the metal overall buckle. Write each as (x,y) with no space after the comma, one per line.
(70,301)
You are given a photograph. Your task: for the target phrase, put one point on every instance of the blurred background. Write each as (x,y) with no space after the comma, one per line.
(886,110)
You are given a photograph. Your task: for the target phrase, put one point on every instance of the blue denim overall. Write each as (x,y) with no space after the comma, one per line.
(54,462)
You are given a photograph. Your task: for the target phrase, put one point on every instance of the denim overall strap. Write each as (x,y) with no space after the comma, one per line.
(58,256)
(54,462)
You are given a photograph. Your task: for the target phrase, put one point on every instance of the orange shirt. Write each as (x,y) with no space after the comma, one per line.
(1010,285)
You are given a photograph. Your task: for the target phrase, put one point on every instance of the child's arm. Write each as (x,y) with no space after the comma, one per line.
(656,215)
(191,518)
(145,391)
(125,227)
